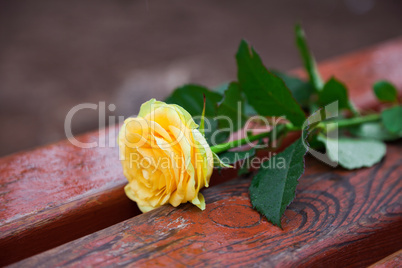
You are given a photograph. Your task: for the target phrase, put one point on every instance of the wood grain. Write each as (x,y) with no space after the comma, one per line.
(339,218)
(58,193)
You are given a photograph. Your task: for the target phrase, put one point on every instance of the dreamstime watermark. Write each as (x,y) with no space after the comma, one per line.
(172,131)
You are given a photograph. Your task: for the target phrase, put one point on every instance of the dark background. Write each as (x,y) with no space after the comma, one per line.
(55,55)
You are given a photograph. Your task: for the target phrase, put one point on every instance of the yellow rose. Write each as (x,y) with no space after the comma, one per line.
(164,156)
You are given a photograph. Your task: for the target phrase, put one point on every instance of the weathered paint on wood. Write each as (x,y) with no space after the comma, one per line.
(339,218)
(55,194)
(391,261)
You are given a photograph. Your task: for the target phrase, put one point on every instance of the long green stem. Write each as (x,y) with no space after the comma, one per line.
(358,120)
(280,130)
(308,60)
(350,121)
(283,129)
(236,143)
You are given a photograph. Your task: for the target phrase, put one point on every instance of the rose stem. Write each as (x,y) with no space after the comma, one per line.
(283,129)
(280,130)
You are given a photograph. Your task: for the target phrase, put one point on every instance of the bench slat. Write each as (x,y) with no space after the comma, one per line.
(59,193)
(338,217)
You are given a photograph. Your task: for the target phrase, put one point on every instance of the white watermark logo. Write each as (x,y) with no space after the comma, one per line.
(254,125)
(101,107)
(331,130)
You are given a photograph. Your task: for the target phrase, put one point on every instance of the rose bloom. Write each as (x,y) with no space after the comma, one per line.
(164,156)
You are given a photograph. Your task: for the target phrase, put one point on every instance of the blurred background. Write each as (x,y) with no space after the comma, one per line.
(57,54)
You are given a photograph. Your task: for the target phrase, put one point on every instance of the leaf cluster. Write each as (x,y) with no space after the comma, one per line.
(271,93)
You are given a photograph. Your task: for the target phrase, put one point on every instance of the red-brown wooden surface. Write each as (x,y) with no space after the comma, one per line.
(58,193)
(338,218)
(391,261)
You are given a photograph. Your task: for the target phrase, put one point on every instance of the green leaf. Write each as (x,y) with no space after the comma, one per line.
(308,59)
(231,157)
(274,186)
(374,130)
(385,91)
(333,91)
(191,98)
(219,163)
(392,119)
(300,89)
(354,153)
(266,92)
(229,108)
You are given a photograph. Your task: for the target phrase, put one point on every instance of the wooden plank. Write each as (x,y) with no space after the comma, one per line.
(391,261)
(339,218)
(48,193)
(58,193)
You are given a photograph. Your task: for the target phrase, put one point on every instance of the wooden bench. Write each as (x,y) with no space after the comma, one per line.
(53,195)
